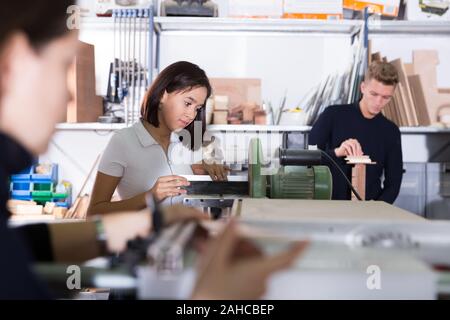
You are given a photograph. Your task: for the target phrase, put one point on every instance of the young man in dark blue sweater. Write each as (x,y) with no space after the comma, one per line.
(357,129)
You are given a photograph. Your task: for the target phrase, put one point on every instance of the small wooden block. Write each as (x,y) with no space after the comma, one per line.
(359,180)
(59,213)
(220,117)
(221,103)
(359,159)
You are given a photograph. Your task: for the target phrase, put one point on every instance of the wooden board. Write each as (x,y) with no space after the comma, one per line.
(425,64)
(419,100)
(307,210)
(408,100)
(398,109)
(359,181)
(85,105)
(409,68)
(404,108)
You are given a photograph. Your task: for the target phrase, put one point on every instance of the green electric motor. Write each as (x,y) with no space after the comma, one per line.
(288,182)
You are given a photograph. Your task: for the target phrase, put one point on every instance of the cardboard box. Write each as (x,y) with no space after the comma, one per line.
(388,8)
(313,9)
(428,10)
(238,90)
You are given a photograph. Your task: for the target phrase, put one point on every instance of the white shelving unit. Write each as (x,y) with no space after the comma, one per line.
(408,28)
(170,24)
(90,126)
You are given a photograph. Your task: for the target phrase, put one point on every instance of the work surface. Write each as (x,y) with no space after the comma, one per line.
(299,210)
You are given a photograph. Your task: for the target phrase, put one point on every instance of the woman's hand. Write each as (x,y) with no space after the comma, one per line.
(169,186)
(227,273)
(217,172)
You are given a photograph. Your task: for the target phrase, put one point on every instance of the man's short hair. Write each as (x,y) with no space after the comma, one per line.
(383,72)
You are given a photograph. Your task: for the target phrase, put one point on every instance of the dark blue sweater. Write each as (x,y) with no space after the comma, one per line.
(379,138)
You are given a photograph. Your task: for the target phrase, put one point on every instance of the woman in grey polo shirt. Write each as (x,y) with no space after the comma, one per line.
(150,156)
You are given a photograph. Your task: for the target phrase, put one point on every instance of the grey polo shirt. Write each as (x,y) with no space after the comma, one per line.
(135,156)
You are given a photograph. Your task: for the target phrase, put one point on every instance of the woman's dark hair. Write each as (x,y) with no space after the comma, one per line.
(40,20)
(178,77)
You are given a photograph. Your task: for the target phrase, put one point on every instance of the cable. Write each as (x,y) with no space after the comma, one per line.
(343,174)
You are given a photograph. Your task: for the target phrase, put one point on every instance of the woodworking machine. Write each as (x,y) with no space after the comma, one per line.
(294,174)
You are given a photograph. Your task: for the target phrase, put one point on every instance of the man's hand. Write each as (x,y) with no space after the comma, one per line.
(227,273)
(350,147)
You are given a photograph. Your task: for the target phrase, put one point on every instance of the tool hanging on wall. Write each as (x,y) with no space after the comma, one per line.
(189,8)
(130,70)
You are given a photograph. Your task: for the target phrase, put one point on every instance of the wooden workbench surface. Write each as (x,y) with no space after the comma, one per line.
(298,210)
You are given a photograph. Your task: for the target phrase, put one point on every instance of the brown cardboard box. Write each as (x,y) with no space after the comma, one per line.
(238,90)
(85,105)
(437,99)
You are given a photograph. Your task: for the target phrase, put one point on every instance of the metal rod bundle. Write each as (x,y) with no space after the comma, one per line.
(131,66)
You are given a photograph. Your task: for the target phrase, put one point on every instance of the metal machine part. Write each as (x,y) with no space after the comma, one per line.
(300,157)
(291,181)
(166,252)
(437,7)
(189,8)
(298,178)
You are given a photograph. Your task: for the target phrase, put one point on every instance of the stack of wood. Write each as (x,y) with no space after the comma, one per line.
(417,100)
(237,101)
(247,113)
(30,210)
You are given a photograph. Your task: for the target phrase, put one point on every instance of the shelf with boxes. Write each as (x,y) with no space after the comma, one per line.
(36,187)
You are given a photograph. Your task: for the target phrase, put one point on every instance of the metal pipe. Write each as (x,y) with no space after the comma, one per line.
(146,80)
(133,64)
(140,16)
(150,49)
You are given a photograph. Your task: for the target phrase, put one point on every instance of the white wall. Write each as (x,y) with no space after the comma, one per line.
(284,62)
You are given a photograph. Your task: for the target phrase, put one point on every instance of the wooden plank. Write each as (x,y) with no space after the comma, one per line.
(420,101)
(409,103)
(409,68)
(401,116)
(85,105)
(404,109)
(392,112)
(359,181)
(425,64)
